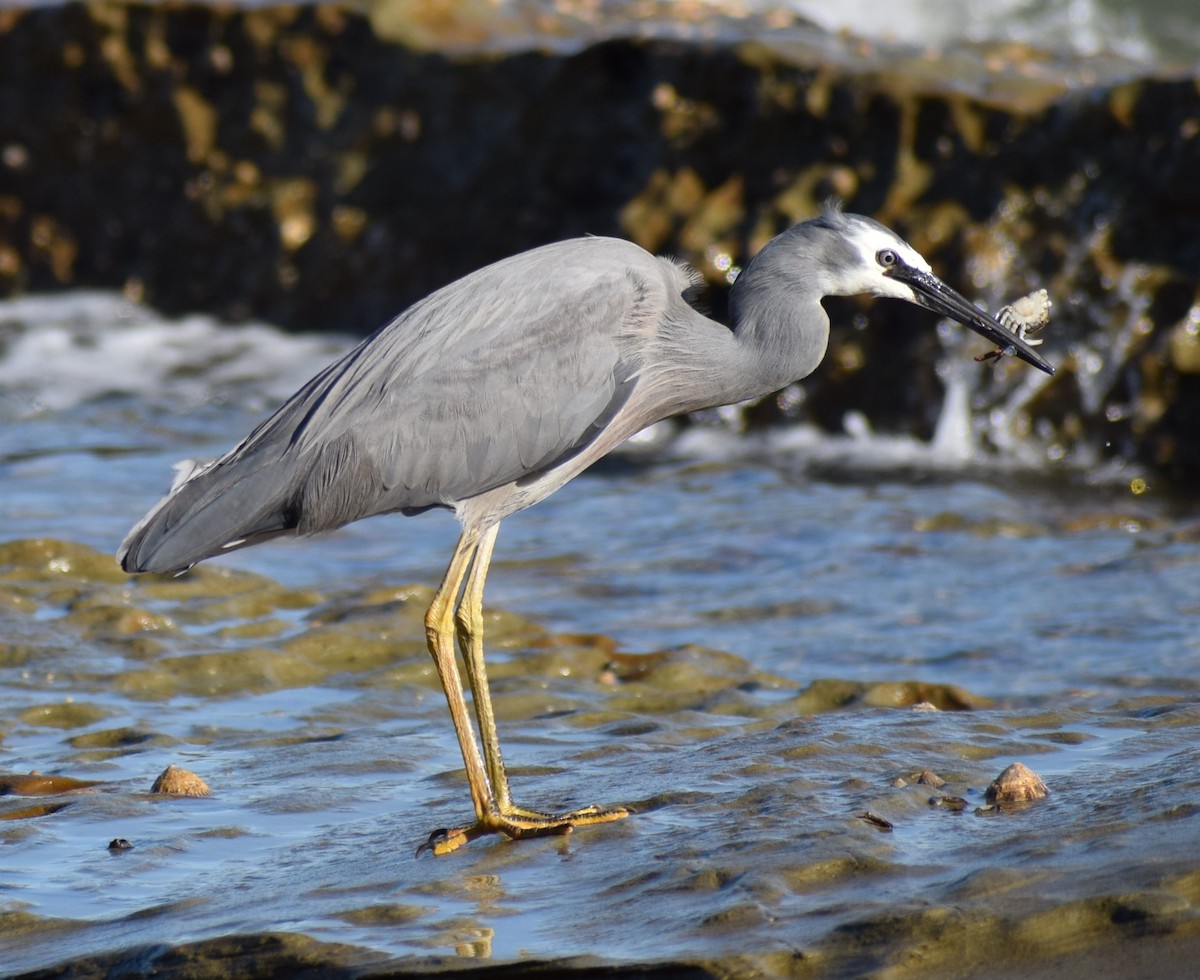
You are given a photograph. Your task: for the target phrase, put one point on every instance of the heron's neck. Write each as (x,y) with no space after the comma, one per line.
(781,333)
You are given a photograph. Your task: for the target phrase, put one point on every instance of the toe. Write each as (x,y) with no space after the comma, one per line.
(443,841)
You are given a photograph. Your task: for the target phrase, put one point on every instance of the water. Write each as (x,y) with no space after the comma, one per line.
(723,637)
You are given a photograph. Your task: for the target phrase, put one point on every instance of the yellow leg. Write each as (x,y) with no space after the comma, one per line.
(439,636)
(470,641)
(494,809)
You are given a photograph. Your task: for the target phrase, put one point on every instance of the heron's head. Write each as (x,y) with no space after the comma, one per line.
(864,256)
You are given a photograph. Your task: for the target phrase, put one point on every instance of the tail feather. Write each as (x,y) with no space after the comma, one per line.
(218,507)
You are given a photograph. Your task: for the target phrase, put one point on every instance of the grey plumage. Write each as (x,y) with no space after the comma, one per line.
(478,386)
(494,391)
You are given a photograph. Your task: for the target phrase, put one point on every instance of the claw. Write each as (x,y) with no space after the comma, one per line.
(520,823)
(436,838)
(444,841)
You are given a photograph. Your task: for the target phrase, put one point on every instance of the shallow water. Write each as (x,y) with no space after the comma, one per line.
(739,647)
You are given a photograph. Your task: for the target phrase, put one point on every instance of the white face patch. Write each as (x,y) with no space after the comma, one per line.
(869,241)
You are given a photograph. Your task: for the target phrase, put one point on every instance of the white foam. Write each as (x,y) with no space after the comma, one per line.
(1084,27)
(60,351)
(858,449)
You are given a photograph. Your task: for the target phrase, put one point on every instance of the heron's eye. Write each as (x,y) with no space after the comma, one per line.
(886,257)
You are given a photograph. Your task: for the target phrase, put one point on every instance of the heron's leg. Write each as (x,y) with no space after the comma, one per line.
(439,634)
(470,641)
(501,816)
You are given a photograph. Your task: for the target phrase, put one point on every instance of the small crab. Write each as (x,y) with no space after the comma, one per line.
(1024,316)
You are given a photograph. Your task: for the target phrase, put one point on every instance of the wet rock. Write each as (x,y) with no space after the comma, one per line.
(219,673)
(242,593)
(265,955)
(406,603)
(1016,784)
(689,677)
(828,694)
(33,812)
(176,781)
(986,527)
(46,560)
(876,821)
(804,873)
(625,667)
(117,740)
(105,619)
(917,694)
(392,914)
(35,784)
(65,715)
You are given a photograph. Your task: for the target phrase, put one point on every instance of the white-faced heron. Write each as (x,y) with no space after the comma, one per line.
(493,392)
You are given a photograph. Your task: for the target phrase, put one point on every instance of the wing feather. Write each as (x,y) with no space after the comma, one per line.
(486,382)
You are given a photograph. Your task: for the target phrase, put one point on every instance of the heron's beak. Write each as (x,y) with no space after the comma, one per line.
(929,291)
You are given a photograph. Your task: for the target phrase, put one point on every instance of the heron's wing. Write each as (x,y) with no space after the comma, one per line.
(488,380)
(485,382)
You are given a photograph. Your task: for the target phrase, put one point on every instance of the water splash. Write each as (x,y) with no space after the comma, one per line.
(61,351)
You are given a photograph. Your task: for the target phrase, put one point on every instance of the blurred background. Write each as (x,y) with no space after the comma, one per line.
(320,167)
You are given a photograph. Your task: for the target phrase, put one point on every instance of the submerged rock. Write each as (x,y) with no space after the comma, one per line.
(36,784)
(827,694)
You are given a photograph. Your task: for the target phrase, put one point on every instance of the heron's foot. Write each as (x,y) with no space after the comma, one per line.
(517,822)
